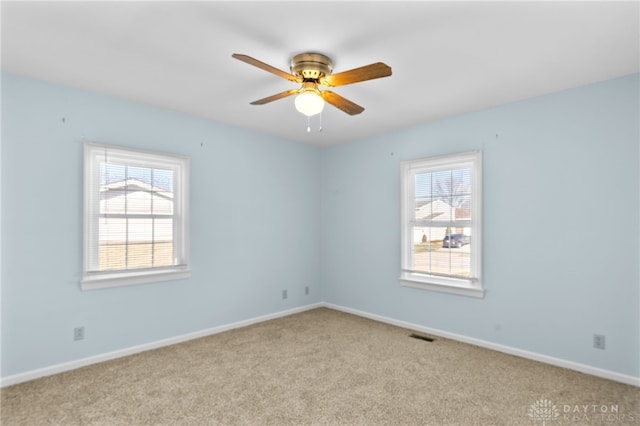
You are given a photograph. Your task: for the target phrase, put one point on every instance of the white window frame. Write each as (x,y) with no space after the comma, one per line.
(94,154)
(408,276)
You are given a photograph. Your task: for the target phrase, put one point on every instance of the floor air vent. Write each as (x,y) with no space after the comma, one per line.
(425,338)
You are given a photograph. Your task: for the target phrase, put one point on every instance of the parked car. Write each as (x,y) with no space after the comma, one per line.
(456,240)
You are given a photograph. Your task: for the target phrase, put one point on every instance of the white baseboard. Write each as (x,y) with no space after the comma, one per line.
(558,362)
(72,365)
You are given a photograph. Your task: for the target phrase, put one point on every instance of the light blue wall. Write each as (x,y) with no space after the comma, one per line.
(255,218)
(561,225)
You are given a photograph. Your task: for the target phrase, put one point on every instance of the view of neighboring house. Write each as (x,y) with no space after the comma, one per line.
(439,215)
(136,223)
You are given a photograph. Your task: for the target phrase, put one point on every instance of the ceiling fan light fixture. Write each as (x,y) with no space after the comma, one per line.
(309,103)
(311,70)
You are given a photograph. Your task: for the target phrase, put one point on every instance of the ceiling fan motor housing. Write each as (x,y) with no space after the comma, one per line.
(311,66)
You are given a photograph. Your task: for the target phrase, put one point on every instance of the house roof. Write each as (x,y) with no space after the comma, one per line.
(133,196)
(436,210)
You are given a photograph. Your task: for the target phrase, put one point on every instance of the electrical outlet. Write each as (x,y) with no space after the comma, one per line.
(598,341)
(78,333)
(306,290)
(284,294)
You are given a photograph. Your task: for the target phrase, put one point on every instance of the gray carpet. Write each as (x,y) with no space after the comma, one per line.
(320,367)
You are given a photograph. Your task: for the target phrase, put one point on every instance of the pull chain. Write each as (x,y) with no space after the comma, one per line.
(319,123)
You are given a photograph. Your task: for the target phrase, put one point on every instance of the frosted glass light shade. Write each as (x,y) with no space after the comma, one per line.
(309,103)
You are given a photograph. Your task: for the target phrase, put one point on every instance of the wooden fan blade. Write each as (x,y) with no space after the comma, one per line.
(274,97)
(368,72)
(256,63)
(341,103)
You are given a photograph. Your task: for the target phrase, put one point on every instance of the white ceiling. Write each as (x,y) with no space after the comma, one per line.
(448,57)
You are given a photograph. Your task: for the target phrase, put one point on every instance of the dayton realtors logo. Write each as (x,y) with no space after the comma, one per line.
(543,410)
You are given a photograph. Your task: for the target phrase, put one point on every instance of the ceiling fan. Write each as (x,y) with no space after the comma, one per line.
(311,70)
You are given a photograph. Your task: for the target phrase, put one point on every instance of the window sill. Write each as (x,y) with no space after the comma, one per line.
(443,285)
(98,281)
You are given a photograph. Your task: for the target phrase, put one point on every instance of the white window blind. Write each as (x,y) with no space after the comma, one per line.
(136,218)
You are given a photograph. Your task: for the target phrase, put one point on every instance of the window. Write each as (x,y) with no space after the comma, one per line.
(136,227)
(441,208)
